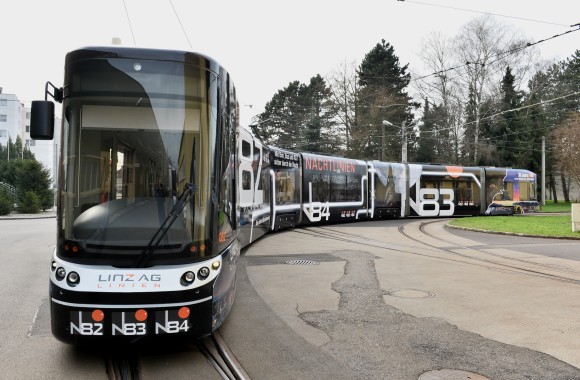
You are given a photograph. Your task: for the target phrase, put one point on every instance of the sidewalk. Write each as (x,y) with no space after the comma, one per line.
(41,215)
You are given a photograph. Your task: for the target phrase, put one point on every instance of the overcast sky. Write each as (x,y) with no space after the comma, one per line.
(263,44)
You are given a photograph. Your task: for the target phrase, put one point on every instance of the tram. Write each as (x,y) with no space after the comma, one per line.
(159,189)
(146,226)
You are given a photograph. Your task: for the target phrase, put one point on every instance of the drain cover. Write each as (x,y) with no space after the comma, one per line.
(302,262)
(451,374)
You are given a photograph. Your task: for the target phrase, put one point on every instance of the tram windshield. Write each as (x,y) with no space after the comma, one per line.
(137,135)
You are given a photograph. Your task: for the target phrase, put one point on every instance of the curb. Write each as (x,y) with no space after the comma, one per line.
(447,225)
(28,216)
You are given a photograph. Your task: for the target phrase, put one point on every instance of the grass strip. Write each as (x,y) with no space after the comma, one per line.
(548,226)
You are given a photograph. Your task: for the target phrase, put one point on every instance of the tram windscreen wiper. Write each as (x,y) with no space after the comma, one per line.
(190,189)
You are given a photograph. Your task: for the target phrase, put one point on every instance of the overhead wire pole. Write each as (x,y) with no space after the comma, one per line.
(403,140)
(543,170)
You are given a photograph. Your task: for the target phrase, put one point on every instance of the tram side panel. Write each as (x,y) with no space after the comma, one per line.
(514,188)
(285,188)
(387,189)
(253,188)
(333,189)
(438,190)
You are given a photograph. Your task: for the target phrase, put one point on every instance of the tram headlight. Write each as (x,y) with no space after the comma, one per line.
(188,278)
(73,278)
(60,273)
(215,265)
(203,273)
(53,266)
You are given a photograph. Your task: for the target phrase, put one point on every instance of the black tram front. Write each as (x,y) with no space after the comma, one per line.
(146,223)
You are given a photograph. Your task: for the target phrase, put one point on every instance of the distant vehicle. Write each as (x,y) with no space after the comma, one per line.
(159,189)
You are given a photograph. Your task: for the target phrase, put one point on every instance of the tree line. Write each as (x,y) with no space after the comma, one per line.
(20,170)
(485,97)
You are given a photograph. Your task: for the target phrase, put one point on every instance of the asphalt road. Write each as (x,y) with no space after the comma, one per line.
(401,299)
(373,300)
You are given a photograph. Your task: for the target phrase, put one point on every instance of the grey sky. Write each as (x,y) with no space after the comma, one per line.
(263,44)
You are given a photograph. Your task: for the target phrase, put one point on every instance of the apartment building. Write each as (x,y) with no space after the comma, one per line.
(15,121)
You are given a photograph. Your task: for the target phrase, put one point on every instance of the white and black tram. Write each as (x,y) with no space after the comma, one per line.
(146,208)
(159,189)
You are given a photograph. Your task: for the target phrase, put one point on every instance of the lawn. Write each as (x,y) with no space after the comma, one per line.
(549,226)
(550,206)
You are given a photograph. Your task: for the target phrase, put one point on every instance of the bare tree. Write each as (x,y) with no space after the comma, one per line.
(442,89)
(566,143)
(343,83)
(467,72)
(485,48)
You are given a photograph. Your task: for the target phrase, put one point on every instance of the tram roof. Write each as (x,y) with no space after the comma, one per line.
(95,52)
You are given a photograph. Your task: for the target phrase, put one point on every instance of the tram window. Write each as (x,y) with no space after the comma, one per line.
(353,189)
(246,149)
(246,180)
(256,153)
(429,185)
(338,188)
(526,192)
(285,187)
(509,190)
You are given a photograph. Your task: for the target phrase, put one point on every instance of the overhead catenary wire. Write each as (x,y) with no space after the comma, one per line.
(499,55)
(482,12)
(129,21)
(180,24)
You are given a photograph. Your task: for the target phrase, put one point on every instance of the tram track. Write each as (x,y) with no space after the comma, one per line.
(526,266)
(213,348)
(221,358)
(486,259)
(500,256)
(123,367)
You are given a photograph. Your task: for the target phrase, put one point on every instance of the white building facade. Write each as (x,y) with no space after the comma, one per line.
(15,121)
(12,118)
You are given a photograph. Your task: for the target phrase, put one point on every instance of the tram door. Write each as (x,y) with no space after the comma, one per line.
(253,205)
(125,176)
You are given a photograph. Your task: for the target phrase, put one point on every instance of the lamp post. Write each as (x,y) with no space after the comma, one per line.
(403,141)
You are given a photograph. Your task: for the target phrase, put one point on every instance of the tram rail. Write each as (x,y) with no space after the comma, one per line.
(486,258)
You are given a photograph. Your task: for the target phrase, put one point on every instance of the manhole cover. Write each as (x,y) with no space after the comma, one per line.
(302,262)
(451,374)
(411,293)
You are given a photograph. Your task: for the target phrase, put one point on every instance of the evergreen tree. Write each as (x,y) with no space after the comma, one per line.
(282,121)
(6,202)
(468,151)
(559,81)
(434,143)
(18,150)
(300,117)
(382,96)
(508,133)
(319,133)
(569,82)
(425,151)
(31,176)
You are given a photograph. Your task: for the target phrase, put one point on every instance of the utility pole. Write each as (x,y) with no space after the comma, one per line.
(403,140)
(404,143)
(383,144)
(543,171)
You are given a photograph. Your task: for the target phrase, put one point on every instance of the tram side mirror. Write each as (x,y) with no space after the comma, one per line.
(42,120)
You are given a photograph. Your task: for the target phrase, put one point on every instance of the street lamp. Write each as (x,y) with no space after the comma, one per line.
(403,140)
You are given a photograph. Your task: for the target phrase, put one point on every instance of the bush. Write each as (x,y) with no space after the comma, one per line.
(6,202)
(30,203)
(46,197)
